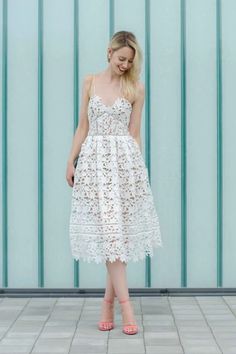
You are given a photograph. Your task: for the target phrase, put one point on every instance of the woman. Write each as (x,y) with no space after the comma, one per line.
(113,218)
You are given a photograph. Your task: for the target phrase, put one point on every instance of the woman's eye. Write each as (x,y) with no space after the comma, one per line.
(121,59)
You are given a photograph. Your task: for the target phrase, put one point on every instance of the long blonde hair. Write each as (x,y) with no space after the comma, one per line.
(130,78)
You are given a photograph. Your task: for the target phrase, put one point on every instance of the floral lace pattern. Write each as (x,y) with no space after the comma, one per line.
(112,210)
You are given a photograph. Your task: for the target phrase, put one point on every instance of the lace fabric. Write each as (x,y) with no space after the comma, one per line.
(113,215)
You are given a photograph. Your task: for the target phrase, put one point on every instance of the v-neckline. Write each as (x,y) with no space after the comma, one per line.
(101,100)
(111,106)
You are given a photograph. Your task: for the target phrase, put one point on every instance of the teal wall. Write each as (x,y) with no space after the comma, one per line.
(188,133)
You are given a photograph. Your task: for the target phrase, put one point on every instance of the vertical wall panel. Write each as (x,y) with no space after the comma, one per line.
(201,143)
(58,130)
(229,141)
(165,137)
(1,134)
(22,143)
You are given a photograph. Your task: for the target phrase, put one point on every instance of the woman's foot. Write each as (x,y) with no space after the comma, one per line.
(107,317)
(129,323)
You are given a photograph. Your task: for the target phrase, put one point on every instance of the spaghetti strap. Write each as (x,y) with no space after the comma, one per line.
(93,84)
(121,93)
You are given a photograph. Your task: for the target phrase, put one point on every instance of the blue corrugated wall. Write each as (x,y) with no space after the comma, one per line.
(188,134)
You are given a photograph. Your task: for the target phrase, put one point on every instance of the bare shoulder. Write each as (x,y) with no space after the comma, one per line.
(87,81)
(140,92)
(140,88)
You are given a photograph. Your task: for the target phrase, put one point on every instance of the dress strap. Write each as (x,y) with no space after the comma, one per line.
(121,87)
(93,84)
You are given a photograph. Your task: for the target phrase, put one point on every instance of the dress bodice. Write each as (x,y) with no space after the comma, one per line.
(108,120)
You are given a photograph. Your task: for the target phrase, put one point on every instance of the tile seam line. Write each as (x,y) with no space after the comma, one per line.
(199,305)
(173,316)
(223,298)
(15,318)
(43,326)
(76,327)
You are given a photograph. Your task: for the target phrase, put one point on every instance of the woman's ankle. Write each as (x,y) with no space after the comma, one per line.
(127,311)
(109,299)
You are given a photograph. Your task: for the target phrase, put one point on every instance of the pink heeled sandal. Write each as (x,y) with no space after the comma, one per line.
(130,327)
(106,325)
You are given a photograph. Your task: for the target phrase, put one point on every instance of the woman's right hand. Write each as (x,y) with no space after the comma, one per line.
(70,172)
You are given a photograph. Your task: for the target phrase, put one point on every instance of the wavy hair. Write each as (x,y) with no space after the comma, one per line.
(130,78)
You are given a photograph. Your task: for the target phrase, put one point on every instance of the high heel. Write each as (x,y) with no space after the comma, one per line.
(131,326)
(106,325)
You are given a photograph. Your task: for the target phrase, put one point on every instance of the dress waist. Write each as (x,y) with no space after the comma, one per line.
(108,135)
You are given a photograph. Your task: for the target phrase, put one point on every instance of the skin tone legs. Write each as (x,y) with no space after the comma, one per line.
(117,286)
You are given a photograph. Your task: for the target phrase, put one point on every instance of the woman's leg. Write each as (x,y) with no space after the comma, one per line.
(117,272)
(107,308)
(109,292)
(117,277)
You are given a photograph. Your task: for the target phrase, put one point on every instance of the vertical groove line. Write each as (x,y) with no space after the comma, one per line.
(147,119)
(219,144)
(40,147)
(111,17)
(4,149)
(183,148)
(76,103)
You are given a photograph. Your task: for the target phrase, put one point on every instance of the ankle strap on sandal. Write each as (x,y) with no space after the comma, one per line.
(122,301)
(110,301)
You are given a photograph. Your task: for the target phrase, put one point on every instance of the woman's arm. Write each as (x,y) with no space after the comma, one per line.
(83,125)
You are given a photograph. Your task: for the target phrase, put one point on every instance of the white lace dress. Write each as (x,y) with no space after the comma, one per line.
(112,210)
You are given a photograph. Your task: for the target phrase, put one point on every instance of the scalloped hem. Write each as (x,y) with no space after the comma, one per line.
(78,257)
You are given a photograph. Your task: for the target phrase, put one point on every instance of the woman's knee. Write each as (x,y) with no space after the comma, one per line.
(117,262)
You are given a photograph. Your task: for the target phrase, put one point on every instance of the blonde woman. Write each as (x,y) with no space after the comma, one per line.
(113,218)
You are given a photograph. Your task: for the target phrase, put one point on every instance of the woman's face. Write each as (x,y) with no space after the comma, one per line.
(122,59)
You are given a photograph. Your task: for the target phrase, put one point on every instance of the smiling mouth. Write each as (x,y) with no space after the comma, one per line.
(122,70)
